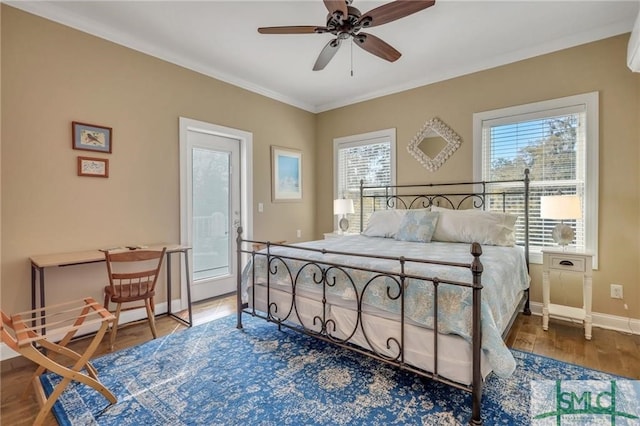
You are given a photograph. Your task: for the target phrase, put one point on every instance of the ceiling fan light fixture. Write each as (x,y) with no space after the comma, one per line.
(366,22)
(335,20)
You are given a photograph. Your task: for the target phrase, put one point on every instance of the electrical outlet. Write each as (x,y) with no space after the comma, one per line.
(616,291)
(299,235)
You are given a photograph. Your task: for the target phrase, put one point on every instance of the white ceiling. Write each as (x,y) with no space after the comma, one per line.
(452,38)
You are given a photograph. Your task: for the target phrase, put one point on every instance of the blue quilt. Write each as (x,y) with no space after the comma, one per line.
(504,278)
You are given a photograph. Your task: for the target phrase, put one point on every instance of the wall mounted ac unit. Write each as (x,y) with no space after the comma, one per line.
(633,50)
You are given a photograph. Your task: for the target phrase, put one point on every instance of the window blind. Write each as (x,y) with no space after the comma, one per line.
(551,144)
(368,161)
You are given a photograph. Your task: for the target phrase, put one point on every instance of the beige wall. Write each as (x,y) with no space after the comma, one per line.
(599,66)
(53,75)
(0,159)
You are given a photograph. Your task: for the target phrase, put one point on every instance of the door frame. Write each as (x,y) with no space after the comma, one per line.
(246,184)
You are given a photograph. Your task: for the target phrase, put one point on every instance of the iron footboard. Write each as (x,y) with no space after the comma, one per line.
(323,276)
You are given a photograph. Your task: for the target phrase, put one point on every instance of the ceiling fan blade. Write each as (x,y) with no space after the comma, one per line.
(305,29)
(376,46)
(392,11)
(327,54)
(334,6)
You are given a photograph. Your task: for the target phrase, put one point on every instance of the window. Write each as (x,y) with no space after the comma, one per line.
(557,141)
(369,157)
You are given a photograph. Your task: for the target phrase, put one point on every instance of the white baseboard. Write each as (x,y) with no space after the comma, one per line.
(609,322)
(125,317)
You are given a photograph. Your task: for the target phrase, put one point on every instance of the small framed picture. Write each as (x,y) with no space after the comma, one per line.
(96,167)
(286,174)
(89,137)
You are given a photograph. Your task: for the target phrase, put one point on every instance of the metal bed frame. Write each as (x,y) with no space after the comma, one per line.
(325,274)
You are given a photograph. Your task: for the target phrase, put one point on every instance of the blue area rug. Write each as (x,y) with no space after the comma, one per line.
(214,374)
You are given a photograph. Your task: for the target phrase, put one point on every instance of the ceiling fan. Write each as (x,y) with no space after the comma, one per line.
(344,21)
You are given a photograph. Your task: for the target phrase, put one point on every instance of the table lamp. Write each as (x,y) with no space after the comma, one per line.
(561,207)
(342,207)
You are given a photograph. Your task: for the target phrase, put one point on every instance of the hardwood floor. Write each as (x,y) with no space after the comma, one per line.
(609,351)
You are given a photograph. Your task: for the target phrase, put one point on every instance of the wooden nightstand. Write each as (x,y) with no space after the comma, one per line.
(568,262)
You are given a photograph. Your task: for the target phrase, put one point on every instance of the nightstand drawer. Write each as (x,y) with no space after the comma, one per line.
(567,263)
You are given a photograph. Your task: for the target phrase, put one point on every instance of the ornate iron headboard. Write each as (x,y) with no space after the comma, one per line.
(456,195)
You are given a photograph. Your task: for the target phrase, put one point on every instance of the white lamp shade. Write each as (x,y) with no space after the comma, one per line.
(343,206)
(560,207)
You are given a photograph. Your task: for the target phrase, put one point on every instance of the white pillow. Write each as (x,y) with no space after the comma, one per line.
(384,223)
(468,226)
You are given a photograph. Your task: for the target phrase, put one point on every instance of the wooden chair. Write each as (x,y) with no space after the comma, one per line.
(132,278)
(25,333)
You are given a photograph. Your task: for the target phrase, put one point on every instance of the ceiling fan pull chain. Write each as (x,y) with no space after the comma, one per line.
(352,56)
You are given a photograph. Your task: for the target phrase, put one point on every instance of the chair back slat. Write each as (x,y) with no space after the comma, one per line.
(131,275)
(135,255)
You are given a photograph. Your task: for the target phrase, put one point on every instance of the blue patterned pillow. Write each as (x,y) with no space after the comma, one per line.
(418,226)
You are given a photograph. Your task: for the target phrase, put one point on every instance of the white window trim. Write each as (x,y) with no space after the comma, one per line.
(591,101)
(363,139)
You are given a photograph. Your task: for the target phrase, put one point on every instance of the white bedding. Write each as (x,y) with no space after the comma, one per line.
(454,353)
(504,278)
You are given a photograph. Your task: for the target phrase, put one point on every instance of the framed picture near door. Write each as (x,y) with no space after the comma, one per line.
(90,137)
(286,174)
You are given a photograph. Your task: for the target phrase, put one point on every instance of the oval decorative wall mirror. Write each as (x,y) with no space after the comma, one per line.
(434,134)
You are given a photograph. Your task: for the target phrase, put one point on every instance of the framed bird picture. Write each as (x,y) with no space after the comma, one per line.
(89,137)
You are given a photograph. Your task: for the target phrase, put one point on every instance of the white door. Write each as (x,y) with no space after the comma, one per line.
(211,207)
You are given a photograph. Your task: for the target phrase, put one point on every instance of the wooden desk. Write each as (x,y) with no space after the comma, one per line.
(40,262)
